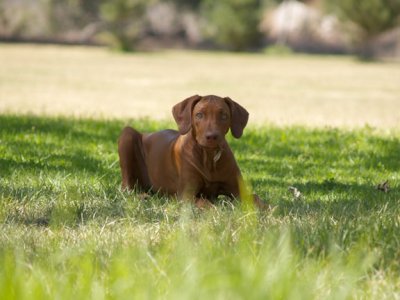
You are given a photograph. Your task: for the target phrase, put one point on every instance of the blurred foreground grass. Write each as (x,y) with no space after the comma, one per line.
(67,231)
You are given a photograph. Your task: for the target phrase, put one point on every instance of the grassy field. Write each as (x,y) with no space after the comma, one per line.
(295,89)
(68,232)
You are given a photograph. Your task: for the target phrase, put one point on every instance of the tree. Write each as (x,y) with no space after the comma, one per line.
(123,20)
(233,24)
(190,4)
(370,18)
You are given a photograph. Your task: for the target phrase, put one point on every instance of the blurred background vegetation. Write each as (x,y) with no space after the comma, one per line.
(369,28)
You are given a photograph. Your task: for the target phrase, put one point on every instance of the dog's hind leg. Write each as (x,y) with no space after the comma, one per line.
(131,159)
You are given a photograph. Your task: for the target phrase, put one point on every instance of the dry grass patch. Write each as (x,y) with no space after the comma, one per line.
(311,90)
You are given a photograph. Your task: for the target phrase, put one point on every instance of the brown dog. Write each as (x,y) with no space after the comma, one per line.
(195,163)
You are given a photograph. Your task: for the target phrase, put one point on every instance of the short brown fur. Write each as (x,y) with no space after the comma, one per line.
(194,163)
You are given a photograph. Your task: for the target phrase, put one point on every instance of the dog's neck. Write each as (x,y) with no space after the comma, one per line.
(211,157)
(208,157)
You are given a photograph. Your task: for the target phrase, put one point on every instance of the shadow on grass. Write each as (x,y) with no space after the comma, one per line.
(335,171)
(33,144)
(326,146)
(63,162)
(82,130)
(275,157)
(64,144)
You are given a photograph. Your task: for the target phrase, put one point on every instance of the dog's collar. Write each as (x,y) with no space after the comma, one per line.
(203,170)
(217,155)
(217,152)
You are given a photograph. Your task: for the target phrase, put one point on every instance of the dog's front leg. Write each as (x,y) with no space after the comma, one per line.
(202,203)
(234,191)
(188,191)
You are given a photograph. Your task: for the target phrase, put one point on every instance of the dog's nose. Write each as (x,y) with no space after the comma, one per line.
(212,136)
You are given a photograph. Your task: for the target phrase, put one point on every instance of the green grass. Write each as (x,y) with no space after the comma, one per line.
(67,231)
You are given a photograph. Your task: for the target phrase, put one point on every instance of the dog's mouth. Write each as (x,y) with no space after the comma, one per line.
(210,144)
(210,140)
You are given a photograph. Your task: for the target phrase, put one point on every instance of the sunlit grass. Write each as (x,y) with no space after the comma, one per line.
(67,231)
(292,89)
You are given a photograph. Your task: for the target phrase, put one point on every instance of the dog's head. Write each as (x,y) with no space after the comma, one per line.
(210,117)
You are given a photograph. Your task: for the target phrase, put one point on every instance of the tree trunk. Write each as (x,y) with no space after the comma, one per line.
(366,49)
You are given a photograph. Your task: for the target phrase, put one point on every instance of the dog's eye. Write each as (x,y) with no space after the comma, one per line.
(199,115)
(224,116)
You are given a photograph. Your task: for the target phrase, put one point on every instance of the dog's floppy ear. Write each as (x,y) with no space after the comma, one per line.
(239,117)
(182,113)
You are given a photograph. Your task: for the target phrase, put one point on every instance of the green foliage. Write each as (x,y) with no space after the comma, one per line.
(15,21)
(371,17)
(278,50)
(124,21)
(233,24)
(188,4)
(67,231)
(64,15)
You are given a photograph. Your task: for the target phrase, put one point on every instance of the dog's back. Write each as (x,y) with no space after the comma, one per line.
(161,163)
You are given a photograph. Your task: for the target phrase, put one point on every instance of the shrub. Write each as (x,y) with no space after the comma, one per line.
(233,23)
(370,18)
(16,20)
(123,21)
